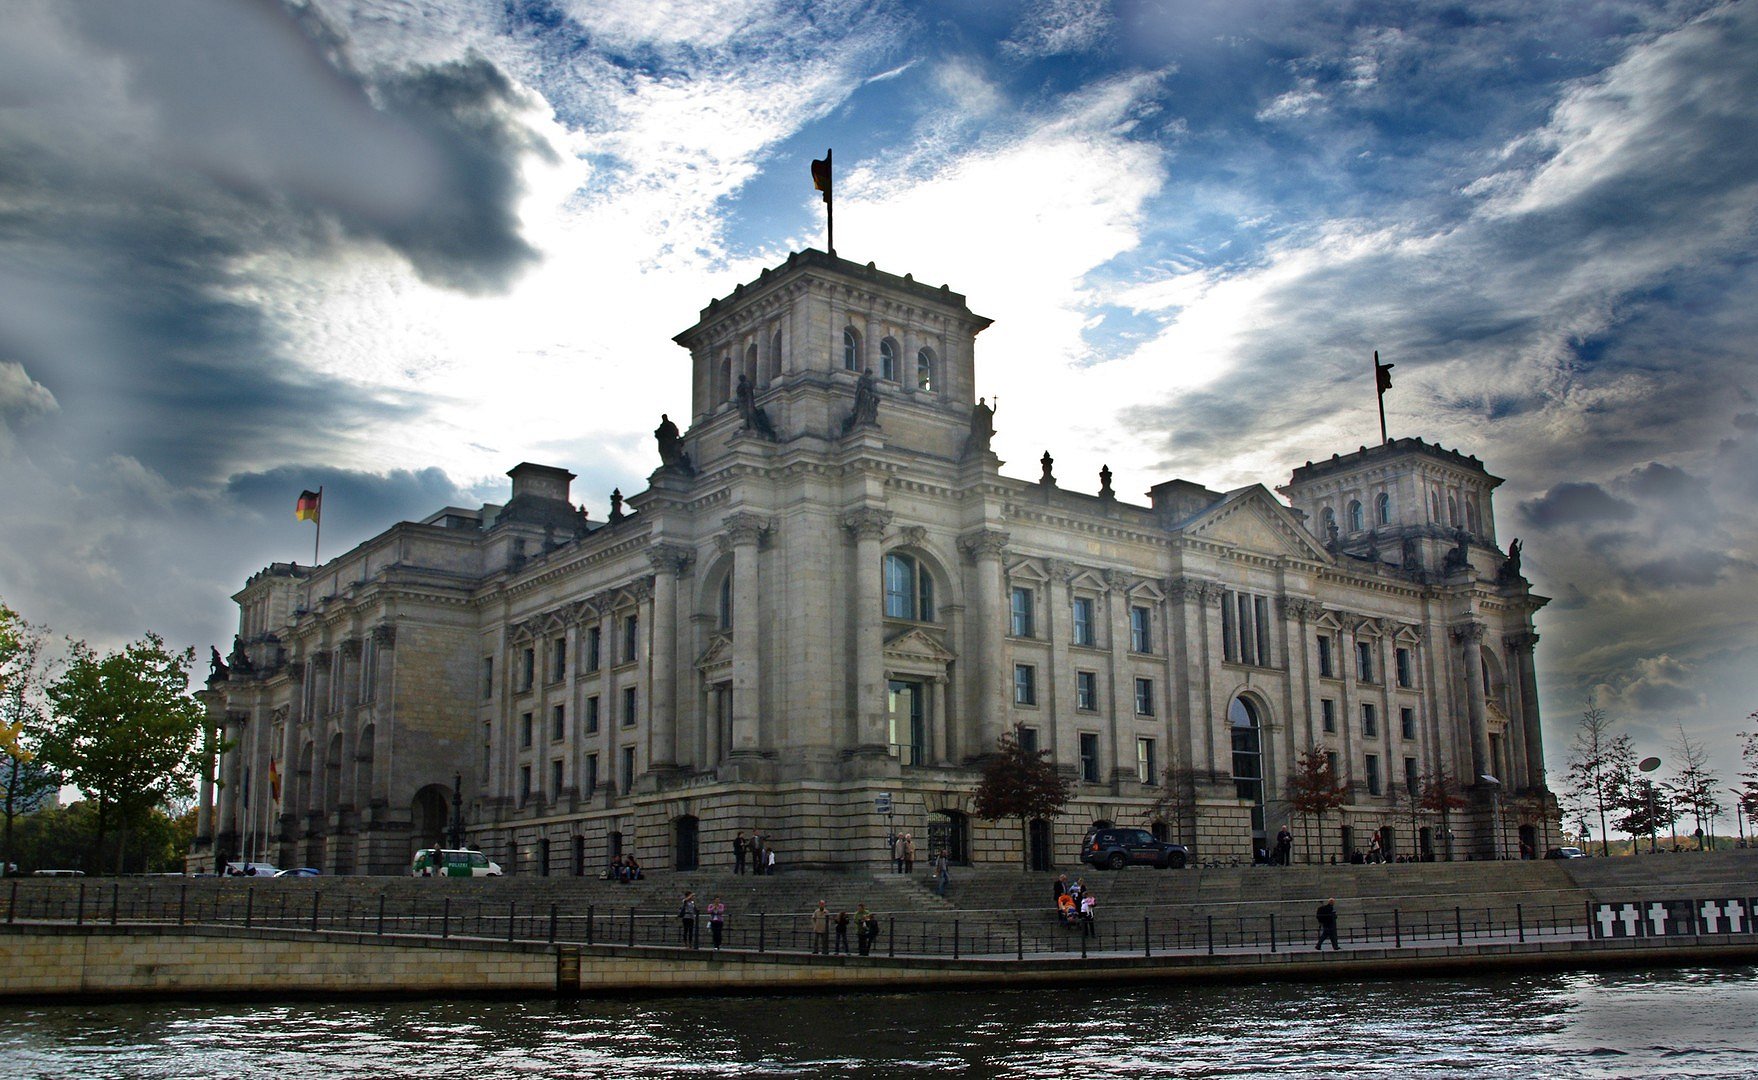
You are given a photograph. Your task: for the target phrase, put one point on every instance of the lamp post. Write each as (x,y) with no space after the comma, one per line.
(1495,813)
(457,830)
(1739,815)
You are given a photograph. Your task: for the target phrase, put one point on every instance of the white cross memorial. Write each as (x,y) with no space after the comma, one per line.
(1711,913)
(1657,919)
(1629,914)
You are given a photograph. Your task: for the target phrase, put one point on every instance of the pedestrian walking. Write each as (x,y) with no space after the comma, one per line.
(716,920)
(687,919)
(1088,903)
(821,930)
(942,872)
(757,853)
(769,863)
(862,915)
(909,854)
(869,932)
(897,854)
(1284,847)
(842,921)
(738,853)
(1327,926)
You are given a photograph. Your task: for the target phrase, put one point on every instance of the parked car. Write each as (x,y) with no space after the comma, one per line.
(1115,848)
(1565,853)
(251,869)
(299,871)
(452,862)
(57,873)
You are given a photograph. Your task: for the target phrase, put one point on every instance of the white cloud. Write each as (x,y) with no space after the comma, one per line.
(22,396)
(1060,27)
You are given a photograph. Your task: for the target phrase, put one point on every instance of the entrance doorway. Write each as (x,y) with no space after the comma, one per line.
(950,831)
(906,720)
(1038,846)
(684,853)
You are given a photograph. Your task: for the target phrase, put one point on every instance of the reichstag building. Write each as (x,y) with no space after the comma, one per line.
(830,593)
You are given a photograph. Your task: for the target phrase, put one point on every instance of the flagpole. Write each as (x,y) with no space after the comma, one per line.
(319,519)
(1379,391)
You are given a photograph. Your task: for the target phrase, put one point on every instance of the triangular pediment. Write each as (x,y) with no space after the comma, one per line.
(917,645)
(1252,520)
(718,653)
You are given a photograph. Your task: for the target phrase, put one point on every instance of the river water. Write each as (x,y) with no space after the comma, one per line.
(1670,1024)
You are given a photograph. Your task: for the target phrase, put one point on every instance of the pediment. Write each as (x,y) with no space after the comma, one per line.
(918,646)
(1252,520)
(717,654)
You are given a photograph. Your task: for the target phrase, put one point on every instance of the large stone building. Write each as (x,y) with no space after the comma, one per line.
(830,593)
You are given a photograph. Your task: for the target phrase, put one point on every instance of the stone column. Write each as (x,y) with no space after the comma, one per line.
(214,706)
(1122,710)
(867,527)
(232,777)
(988,628)
(1470,639)
(669,561)
(743,532)
(1521,645)
(937,720)
(1058,617)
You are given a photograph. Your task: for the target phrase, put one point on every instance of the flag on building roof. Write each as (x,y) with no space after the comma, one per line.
(821,175)
(309,506)
(1382,373)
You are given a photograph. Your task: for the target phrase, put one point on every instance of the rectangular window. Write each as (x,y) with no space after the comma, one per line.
(592,715)
(1407,723)
(1327,661)
(555,779)
(1028,740)
(558,659)
(1334,765)
(626,782)
(630,639)
(628,706)
(1144,697)
(594,646)
(1025,684)
(1402,657)
(1261,612)
(590,783)
(487,677)
(1411,780)
(1089,757)
(1247,630)
(1141,638)
(1229,630)
(558,723)
(487,746)
(1022,612)
(1146,768)
(1328,711)
(1086,691)
(1083,621)
(525,729)
(1370,720)
(1374,787)
(524,783)
(1364,661)
(527,668)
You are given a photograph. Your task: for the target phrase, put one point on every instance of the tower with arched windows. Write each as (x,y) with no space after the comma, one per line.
(829,592)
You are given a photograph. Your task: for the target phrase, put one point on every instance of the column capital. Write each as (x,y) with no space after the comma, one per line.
(1061,570)
(745,527)
(1117,581)
(351,649)
(983,542)
(384,635)
(867,523)
(670,558)
(1470,633)
(1520,641)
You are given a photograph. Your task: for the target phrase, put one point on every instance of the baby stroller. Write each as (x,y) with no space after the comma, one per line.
(1067,911)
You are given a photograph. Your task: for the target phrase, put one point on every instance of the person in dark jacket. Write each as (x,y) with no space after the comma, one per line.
(1327,926)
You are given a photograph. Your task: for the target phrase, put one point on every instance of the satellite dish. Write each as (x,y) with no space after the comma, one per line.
(1649,764)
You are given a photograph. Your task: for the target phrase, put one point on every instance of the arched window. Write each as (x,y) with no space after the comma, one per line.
(925,369)
(1355,522)
(751,364)
(1382,508)
(723,606)
(775,357)
(1327,522)
(1248,763)
(1452,511)
(851,349)
(1434,506)
(888,360)
(1471,516)
(909,589)
(724,385)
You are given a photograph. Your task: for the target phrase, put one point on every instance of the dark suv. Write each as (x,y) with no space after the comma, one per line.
(1115,848)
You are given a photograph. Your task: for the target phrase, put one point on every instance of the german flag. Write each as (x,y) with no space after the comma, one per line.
(821,175)
(274,781)
(309,506)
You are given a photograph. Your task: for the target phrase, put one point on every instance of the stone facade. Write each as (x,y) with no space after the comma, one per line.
(829,592)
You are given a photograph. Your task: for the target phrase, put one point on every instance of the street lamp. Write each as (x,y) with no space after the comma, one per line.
(1495,813)
(457,830)
(1739,816)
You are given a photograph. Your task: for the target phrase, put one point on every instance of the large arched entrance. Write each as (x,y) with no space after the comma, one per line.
(429,814)
(950,831)
(1248,763)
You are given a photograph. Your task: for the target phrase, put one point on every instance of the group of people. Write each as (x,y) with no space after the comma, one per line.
(866,926)
(624,868)
(752,848)
(1075,904)
(688,913)
(903,860)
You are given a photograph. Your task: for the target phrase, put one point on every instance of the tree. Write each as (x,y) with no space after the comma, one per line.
(125,731)
(1020,783)
(1600,765)
(1692,786)
(1441,795)
(1646,810)
(1748,793)
(26,782)
(1313,789)
(1177,800)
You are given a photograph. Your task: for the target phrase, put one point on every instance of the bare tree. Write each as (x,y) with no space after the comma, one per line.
(1693,784)
(1600,765)
(1441,795)
(1177,801)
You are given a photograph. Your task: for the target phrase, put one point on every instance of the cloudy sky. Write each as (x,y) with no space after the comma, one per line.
(396,247)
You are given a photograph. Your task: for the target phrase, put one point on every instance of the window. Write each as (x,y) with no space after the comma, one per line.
(524,783)
(723,604)
(1470,516)
(1370,720)
(630,638)
(558,723)
(1245,628)
(628,706)
(1382,508)
(1025,684)
(1411,781)
(555,778)
(1089,757)
(527,668)
(589,783)
(487,747)
(1407,723)
(909,589)
(1364,661)
(925,369)
(1144,697)
(525,729)
(592,715)
(1328,711)
(594,644)
(1083,621)
(1401,657)
(1028,740)
(558,659)
(1355,522)
(1146,768)
(1327,523)
(851,349)
(1374,787)
(487,677)
(1452,511)
(1334,765)
(1140,630)
(1086,691)
(1022,612)
(888,360)
(1248,764)
(775,356)
(1327,661)
(626,779)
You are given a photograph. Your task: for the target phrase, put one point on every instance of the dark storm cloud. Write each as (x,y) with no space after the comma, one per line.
(1575,503)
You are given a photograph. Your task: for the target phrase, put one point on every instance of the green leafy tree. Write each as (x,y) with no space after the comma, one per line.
(1020,783)
(1599,769)
(26,782)
(1646,809)
(1442,795)
(125,731)
(1748,790)
(1314,790)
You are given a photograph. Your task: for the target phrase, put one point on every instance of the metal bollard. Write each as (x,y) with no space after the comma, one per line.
(1397,930)
(1147,939)
(1272,931)
(631,928)
(1459,925)
(115,900)
(590,911)
(182,902)
(249,906)
(1211,935)
(552,914)
(1018,939)
(762,929)
(1520,919)
(12,908)
(512,911)
(446,917)
(1083,942)
(954,939)
(316,896)
(381,914)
